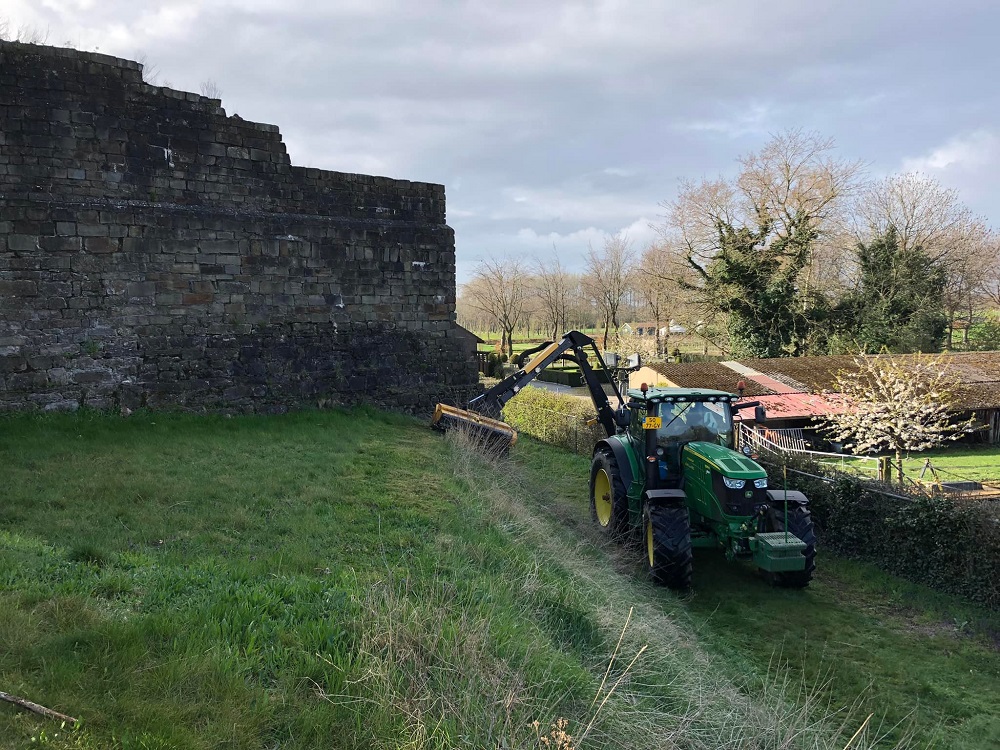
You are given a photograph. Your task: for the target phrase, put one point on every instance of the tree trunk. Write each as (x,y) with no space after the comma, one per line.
(899,467)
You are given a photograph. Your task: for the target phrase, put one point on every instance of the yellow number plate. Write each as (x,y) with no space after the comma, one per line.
(652,423)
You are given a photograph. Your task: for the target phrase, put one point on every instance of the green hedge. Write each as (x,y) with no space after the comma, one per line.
(951,545)
(554,418)
(573,378)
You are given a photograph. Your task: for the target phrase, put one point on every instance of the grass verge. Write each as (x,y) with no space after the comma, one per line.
(348,579)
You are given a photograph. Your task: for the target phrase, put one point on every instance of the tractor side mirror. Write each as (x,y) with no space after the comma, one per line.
(623,417)
(760,414)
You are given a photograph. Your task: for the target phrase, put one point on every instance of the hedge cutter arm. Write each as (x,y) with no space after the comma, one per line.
(483,414)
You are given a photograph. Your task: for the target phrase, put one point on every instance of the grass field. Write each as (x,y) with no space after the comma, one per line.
(350,579)
(981,463)
(688,343)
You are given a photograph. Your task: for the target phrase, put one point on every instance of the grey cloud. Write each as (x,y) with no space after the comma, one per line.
(486,96)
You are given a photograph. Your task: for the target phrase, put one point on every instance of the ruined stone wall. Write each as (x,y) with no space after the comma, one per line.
(154,251)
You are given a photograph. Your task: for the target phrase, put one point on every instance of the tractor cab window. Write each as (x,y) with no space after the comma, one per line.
(683,422)
(636,425)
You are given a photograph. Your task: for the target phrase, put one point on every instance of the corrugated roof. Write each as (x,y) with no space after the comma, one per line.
(800,405)
(978,375)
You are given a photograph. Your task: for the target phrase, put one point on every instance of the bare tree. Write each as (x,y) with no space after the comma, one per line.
(553,285)
(210,89)
(991,278)
(925,214)
(499,288)
(751,240)
(150,71)
(658,289)
(25,34)
(608,277)
(896,404)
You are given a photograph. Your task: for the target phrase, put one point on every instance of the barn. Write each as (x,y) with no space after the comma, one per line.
(797,390)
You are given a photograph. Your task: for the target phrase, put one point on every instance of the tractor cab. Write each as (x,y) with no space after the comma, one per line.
(668,419)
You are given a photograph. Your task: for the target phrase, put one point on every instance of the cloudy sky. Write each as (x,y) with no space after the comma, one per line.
(552,123)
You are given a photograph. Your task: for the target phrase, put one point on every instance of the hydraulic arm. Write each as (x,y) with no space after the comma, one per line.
(484,411)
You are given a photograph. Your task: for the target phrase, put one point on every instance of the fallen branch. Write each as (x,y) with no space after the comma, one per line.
(41,710)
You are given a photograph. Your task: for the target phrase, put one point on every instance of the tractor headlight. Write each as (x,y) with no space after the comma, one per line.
(760,484)
(734,484)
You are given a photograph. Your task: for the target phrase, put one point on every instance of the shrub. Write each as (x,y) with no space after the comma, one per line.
(554,418)
(494,366)
(570,377)
(951,545)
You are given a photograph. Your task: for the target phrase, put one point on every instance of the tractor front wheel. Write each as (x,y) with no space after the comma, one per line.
(800,523)
(668,545)
(608,498)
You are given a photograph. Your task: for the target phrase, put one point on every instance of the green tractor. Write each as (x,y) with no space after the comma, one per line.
(674,474)
(668,468)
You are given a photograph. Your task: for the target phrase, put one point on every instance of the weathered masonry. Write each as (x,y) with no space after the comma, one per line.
(154,251)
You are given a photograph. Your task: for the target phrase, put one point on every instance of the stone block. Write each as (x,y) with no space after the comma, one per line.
(60,244)
(22,243)
(100,245)
(18,288)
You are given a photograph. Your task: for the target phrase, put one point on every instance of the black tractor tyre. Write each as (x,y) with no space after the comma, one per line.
(800,523)
(608,497)
(667,537)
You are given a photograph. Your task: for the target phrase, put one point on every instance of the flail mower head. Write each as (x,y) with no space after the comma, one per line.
(491,434)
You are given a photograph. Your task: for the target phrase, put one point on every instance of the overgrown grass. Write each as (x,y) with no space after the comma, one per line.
(348,579)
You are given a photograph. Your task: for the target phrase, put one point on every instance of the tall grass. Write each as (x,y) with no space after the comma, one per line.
(349,579)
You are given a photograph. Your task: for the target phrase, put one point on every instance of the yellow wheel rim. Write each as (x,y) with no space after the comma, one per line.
(602,497)
(649,540)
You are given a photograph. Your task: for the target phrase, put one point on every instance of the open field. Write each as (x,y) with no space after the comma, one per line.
(351,579)
(953,464)
(687,343)
(980,463)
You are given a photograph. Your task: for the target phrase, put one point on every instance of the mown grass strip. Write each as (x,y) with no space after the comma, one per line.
(349,579)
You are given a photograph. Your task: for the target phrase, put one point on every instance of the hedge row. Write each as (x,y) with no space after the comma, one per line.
(951,545)
(554,418)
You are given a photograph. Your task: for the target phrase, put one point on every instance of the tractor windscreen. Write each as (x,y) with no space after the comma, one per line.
(682,422)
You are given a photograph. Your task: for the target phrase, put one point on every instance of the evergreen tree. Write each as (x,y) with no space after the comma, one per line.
(898,305)
(752,279)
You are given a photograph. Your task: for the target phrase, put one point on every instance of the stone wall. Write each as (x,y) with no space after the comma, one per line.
(154,251)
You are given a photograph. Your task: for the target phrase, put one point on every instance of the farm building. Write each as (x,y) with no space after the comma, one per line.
(796,390)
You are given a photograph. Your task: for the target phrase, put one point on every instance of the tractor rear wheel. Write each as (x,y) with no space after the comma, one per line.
(668,545)
(608,498)
(800,523)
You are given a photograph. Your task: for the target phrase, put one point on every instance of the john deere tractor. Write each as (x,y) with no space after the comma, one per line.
(667,471)
(673,473)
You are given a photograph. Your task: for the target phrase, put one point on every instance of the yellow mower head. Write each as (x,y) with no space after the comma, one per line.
(491,433)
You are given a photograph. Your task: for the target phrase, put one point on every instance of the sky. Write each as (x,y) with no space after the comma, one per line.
(553,124)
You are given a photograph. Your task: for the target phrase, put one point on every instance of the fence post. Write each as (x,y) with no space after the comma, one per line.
(884,469)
